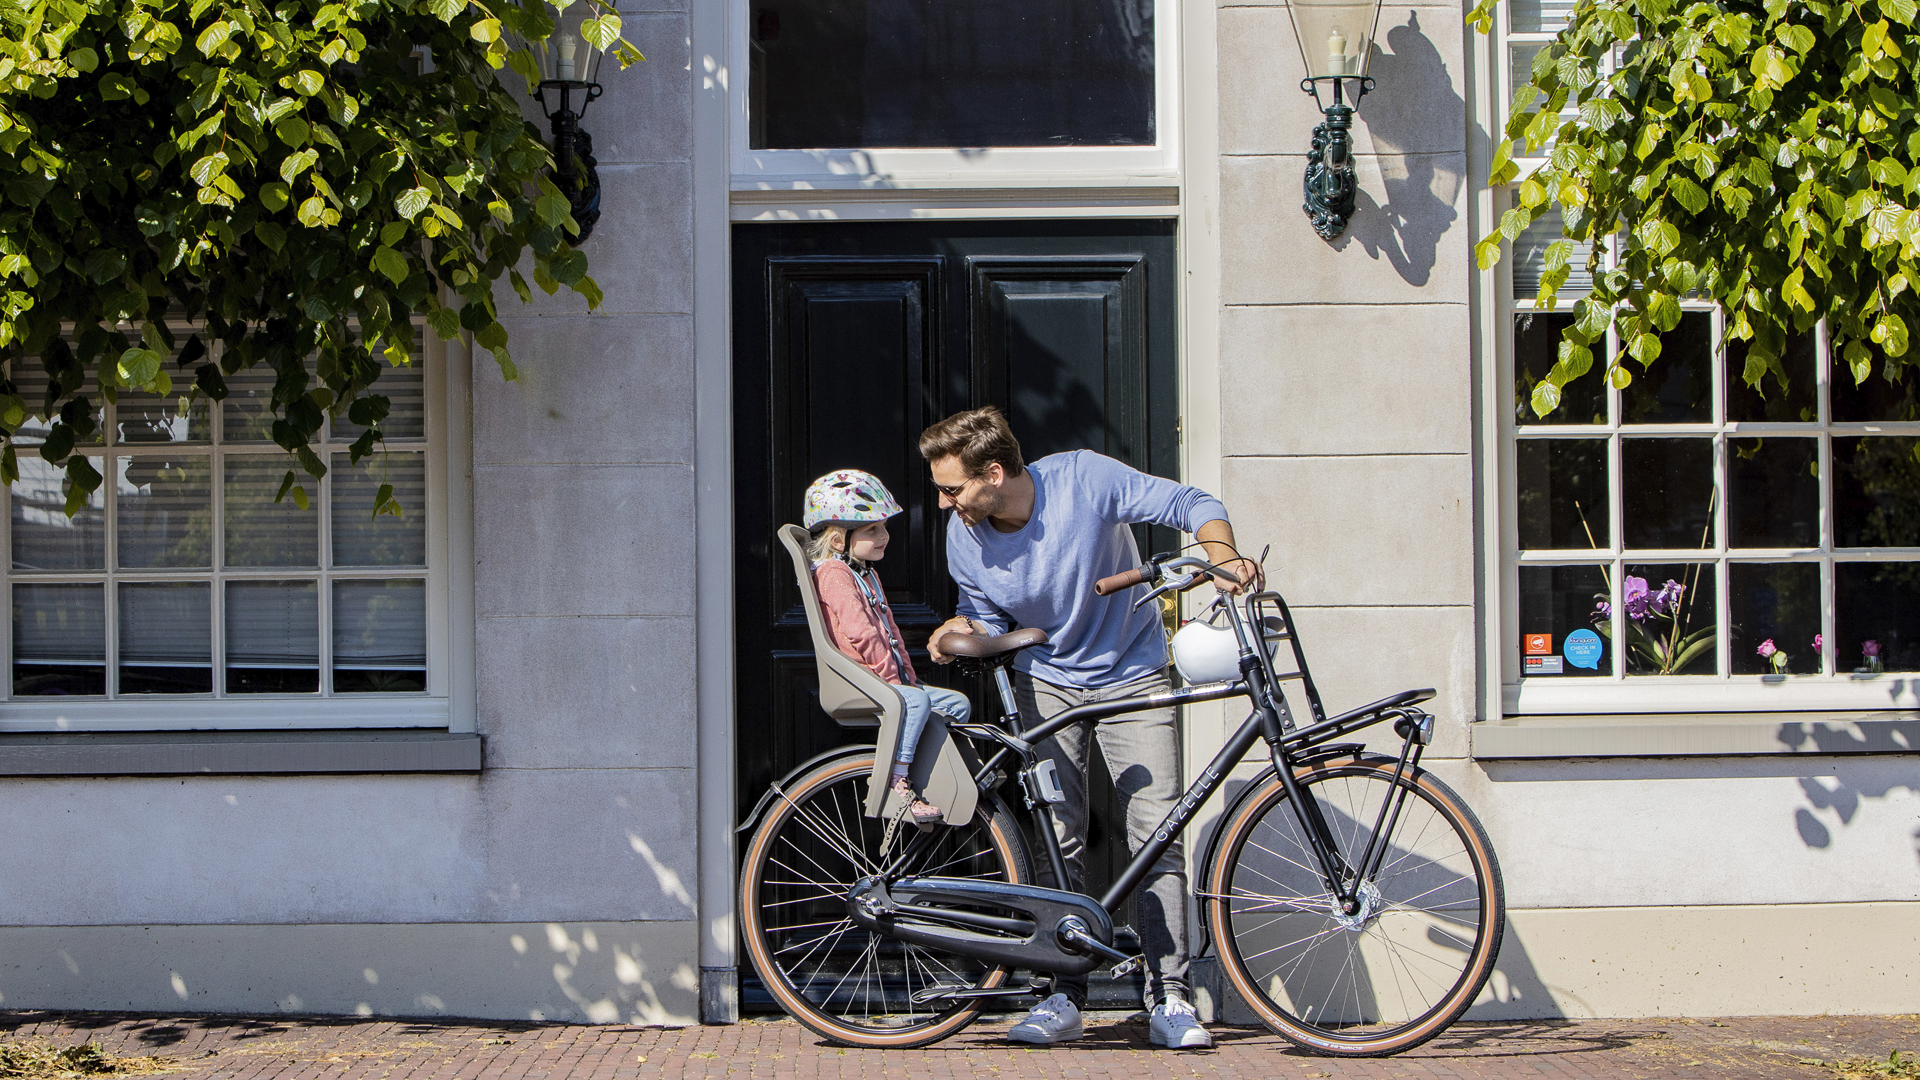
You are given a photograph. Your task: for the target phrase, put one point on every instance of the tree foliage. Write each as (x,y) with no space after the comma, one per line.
(298,177)
(1759,154)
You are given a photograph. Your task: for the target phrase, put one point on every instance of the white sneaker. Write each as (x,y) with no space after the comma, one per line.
(1175,1024)
(1054,1020)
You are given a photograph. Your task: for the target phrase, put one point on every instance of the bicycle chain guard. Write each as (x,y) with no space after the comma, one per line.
(1041,940)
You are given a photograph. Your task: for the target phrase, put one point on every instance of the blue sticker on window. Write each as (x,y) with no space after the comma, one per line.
(1582,649)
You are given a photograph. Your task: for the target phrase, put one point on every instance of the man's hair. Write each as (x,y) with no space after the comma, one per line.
(978,437)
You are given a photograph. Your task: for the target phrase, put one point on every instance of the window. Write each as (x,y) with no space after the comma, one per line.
(864,93)
(183,595)
(1690,542)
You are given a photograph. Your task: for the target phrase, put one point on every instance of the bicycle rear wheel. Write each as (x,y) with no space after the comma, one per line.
(1389,976)
(850,985)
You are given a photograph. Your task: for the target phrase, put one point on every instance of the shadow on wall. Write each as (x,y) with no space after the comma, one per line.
(1421,188)
(1843,798)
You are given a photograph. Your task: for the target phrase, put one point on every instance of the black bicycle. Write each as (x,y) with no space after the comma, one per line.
(1355,899)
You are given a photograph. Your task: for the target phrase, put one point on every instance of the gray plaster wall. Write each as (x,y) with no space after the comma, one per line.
(584,816)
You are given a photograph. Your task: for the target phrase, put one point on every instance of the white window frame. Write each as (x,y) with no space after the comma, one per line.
(1617,692)
(444,392)
(881,168)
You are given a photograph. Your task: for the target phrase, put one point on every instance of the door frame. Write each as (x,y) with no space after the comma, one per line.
(1193,203)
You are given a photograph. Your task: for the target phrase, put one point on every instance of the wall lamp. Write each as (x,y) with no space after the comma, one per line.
(570,71)
(1336,43)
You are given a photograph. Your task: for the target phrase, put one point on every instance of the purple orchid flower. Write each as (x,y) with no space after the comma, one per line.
(1870,649)
(1767,649)
(1819,642)
(1636,599)
(1667,600)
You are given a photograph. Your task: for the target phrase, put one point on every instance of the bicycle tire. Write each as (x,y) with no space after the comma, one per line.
(1321,979)
(848,985)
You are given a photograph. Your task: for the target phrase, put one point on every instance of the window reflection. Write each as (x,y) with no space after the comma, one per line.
(1876,491)
(44,537)
(1562,493)
(1679,387)
(273,637)
(1877,616)
(379,636)
(1667,493)
(1670,613)
(1877,399)
(362,539)
(904,73)
(261,532)
(149,418)
(166,638)
(1536,347)
(59,640)
(1561,601)
(166,512)
(1773,493)
(1775,612)
(1770,402)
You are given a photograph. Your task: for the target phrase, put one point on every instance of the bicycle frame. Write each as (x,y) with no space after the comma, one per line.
(1270,720)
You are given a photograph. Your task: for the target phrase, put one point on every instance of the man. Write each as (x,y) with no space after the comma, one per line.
(1025,544)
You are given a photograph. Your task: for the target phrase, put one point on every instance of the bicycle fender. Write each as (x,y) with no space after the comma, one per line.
(773,790)
(1310,756)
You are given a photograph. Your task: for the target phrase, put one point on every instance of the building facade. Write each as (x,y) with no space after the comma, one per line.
(487,759)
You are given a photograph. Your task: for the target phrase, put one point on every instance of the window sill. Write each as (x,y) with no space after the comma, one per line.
(239,753)
(1687,735)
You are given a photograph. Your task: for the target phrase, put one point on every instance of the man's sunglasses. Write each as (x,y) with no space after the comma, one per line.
(954,491)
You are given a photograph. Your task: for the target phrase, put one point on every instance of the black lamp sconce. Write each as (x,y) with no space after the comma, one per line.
(569,68)
(1335,57)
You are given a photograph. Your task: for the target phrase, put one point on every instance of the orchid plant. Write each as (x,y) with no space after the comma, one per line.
(1656,626)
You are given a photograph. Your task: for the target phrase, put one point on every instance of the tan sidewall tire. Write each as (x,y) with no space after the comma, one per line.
(1453,1005)
(1006,841)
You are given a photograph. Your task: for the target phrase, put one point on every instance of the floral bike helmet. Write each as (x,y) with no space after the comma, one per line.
(848,497)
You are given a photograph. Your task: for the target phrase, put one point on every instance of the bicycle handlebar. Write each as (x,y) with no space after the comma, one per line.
(1107,586)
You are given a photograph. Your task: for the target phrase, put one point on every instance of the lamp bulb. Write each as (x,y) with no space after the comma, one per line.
(1337,52)
(565,47)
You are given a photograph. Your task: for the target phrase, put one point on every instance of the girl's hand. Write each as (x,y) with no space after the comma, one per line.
(956,625)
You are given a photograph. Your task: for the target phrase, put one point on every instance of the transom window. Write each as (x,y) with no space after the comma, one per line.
(1689,541)
(182,579)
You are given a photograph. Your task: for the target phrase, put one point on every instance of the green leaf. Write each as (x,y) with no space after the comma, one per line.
(1620,377)
(1546,398)
(213,37)
(293,131)
(384,503)
(486,30)
(601,32)
(204,170)
(551,209)
(297,163)
(1890,333)
(312,213)
(391,263)
(1900,11)
(82,481)
(308,82)
(411,201)
(445,322)
(275,196)
(84,59)
(392,231)
(1687,194)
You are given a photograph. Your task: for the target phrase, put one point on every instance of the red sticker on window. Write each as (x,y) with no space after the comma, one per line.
(1537,644)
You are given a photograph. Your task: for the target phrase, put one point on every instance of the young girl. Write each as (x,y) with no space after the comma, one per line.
(846,512)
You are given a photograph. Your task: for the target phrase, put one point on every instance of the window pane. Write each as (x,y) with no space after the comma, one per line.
(150,418)
(379,636)
(1667,493)
(44,537)
(1530,258)
(166,638)
(1876,492)
(1563,493)
(1670,619)
(1538,16)
(1771,402)
(261,532)
(166,512)
(1776,604)
(1679,387)
(273,637)
(362,539)
(1877,616)
(247,412)
(30,381)
(1536,345)
(1557,601)
(852,73)
(59,640)
(1773,493)
(1876,399)
(406,392)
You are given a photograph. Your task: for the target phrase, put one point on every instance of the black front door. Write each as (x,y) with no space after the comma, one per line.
(849,339)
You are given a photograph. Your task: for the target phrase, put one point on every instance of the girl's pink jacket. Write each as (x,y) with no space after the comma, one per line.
(855,626)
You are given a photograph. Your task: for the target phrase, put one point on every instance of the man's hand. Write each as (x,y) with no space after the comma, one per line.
(959,624)
(1217,537)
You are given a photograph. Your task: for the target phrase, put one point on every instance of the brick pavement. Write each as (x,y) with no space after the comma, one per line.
(1116,1046)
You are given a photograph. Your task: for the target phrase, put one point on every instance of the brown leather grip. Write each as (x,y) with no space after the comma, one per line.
(1107,586)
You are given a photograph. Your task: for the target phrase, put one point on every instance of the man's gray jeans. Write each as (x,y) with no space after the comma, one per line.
(1142,752)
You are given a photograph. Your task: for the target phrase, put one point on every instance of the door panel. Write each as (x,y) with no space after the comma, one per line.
(849,339)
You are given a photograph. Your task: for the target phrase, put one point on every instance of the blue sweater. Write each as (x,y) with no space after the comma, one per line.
(1043,574)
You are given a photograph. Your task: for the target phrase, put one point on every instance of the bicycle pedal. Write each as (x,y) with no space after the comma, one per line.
(1128,966)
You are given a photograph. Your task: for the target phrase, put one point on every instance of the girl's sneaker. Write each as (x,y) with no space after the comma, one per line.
(1054,1020)
(1176,1025)
(921,811)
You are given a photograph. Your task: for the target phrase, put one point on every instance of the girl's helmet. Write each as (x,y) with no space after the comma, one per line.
(848,497)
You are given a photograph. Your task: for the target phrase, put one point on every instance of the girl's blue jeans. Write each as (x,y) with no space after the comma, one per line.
(922,701)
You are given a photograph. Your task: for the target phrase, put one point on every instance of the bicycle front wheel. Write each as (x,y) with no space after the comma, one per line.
(847,984)
(1391,974)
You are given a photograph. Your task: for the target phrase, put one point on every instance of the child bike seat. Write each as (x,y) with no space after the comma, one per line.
(857,698)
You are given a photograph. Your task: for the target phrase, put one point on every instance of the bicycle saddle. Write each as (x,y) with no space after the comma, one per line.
(976,647)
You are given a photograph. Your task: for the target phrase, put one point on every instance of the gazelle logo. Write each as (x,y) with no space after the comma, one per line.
(1187,805)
